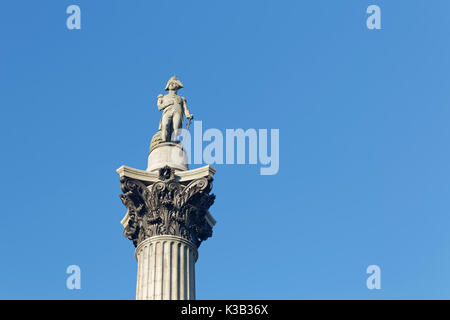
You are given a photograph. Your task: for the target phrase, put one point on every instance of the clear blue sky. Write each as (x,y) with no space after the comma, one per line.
(364,143)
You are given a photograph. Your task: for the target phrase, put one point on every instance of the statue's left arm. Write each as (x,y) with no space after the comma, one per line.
(187,114)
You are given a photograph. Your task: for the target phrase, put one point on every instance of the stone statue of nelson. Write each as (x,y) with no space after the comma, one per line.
(173,107)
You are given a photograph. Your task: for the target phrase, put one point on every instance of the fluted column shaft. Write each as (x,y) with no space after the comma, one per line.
(166,268)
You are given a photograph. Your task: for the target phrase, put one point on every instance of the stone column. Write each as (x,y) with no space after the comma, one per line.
(166,269)
(167,219)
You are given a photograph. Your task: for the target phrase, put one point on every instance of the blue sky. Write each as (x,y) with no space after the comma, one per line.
(364,135)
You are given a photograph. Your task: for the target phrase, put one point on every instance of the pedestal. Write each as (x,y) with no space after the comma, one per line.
(167,154)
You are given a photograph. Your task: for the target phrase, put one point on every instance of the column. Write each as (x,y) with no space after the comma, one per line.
(166,269)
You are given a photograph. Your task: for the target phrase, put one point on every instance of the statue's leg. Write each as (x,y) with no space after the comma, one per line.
(165,128)
(177,123)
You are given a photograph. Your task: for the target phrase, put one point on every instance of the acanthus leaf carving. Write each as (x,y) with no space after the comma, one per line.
(167,207)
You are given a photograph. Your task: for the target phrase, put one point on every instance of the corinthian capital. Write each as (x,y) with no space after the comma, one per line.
(167,206)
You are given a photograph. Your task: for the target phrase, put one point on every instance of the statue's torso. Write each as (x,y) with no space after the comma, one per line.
(175,107)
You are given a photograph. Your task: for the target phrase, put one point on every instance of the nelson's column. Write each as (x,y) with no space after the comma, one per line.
(167,208)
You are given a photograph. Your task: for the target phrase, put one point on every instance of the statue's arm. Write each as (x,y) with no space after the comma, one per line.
(187,114)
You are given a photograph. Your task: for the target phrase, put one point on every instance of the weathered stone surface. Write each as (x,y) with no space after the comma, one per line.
(167,154)
(151,177)
(166,269)
(167,207)
(174,107)
(156,140)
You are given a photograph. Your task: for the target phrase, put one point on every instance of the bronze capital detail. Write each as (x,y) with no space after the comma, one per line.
(167,207)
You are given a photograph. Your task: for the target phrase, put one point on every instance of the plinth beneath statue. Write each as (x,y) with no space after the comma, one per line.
(167,154)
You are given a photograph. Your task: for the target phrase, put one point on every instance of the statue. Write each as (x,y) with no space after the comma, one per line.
(173,107)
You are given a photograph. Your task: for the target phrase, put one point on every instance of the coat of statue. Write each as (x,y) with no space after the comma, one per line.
(173,107)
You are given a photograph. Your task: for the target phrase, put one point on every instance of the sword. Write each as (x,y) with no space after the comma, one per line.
(187,128)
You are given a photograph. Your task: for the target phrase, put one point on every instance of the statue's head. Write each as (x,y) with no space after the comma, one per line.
(173,84)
